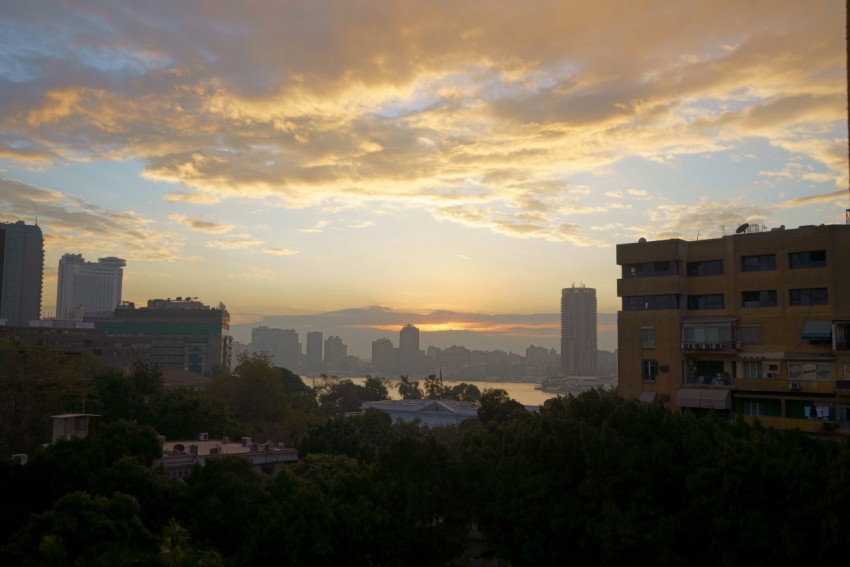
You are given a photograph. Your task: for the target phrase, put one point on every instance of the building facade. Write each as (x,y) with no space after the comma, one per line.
(183,334)
(21,272)
(384,357)
(578,331)
(88,287)
(335,353)
(754,324)
(282,344)
(408,349)
(314,350)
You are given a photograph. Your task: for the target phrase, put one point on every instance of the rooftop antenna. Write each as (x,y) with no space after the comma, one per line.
(723,229)
(698,229)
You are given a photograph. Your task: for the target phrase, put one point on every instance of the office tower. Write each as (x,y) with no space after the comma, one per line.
(314,350)
(281,344)
(578,331)
(384,357)
(184,334)
(88,287)
(408,349)
(21,272)
(755,323)
(335,353)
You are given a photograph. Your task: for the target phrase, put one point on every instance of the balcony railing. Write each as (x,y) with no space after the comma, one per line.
(709,346)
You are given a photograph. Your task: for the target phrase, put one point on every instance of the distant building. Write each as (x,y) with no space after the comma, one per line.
(21,272)
(578,331)
(384,357)
(282,344)
(182,334)
(755,324)
(450,361)
(74,425)
(88,287)
(409,356)
(180,457)
(314,350)
(541,362)
(431,413)
(335,353)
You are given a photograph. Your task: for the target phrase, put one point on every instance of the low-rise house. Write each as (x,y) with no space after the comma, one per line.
(179,457)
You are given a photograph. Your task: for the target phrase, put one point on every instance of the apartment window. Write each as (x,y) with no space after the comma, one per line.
(750,334)
(650,302)
(809,296)
(759,263)
(753,370)
(647,337)
(706,268)
(711,334)
(798,371)
(650,269)
(649,370)
(708,301)
(761,298)
(811,259)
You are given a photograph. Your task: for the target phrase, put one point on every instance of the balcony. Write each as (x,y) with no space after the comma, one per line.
(718,346)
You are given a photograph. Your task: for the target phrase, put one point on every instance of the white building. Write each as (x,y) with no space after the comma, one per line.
(578,331)
(431,413)
(88,287)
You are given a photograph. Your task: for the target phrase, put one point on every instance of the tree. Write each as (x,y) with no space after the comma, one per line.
(407,389)
(434,389)
(496,405)
(374,389)
(464,392)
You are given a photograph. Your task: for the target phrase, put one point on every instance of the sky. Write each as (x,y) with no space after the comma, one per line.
(296,158)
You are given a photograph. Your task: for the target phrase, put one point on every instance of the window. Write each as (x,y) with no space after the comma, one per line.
(650,269)
(753,370)
(812,259)
(750,334)
(647,337)
(762,298)
(650,302)
(841,335)
(798,371)
(706,334)
(809,296)
(760,263)
(706,268)
(649,370)
(708,301)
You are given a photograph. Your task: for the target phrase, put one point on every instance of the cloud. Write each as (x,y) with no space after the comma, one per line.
(362,224)
(442,105)
(280,251)
(74,224)
(236,242)
(200,225)
(319,227)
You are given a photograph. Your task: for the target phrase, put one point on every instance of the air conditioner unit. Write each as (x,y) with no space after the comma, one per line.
(793,385)
(193,449)
(770,375)
(204,437)
(215,450)
(255,447)
(738,344)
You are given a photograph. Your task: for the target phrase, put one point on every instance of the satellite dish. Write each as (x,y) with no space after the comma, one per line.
(642,240)
(742,228)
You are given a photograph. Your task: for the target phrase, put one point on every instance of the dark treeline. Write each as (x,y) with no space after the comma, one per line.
(592,480)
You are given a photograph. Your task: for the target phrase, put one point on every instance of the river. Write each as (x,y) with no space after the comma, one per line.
(523,392)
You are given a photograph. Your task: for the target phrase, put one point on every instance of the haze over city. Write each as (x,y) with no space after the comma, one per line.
(458,160)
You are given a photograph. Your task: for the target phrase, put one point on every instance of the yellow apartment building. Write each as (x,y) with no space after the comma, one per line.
(756,324)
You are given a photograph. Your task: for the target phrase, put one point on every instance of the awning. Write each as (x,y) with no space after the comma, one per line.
(817,331)
(704,398)
(646,396)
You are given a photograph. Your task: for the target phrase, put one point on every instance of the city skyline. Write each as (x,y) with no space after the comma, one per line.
(384,156)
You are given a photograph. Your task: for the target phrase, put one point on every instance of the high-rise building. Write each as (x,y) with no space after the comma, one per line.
(384,356)
(21,272)
(755,324)
(335,353)
(408,349)
(314,350)
(578,331)
(281,344)
(88,287)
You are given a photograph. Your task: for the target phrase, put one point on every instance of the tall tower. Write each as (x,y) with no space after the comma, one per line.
(408,349)
(314,350)
(21,272)
(88,287)
(282,344)
(578,331)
